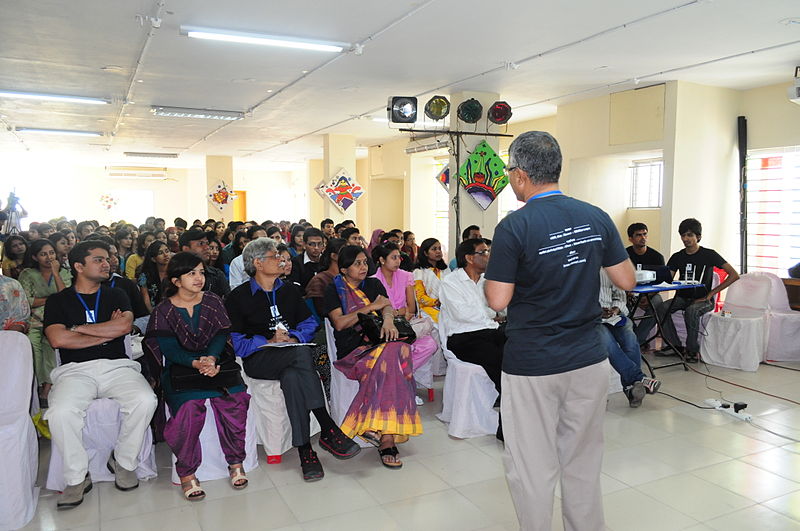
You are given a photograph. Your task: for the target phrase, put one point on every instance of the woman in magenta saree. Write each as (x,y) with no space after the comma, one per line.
(383,411)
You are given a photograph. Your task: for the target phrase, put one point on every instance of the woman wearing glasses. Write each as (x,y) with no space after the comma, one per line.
(267,317)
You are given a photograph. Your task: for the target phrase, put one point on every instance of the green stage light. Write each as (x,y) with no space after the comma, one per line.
(437,108)
(402,109)
(499,113)
(470,111)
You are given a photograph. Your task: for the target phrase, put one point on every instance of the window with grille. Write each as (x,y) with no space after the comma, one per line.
(646,183)
(773,210)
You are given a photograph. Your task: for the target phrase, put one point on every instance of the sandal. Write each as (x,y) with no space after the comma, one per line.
(372,437)
(192,491)
(238,478)
(391,452)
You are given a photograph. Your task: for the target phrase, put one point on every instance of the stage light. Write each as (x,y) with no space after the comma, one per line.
(437,108)
(470,111)
(499,113)
(402,109)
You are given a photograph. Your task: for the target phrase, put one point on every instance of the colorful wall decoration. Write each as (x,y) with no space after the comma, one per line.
(220,196)
(444,177)
(482,175)
(108,201)
(343,190)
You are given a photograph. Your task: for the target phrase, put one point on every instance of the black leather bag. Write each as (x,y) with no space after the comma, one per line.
(371,324)
(185,378)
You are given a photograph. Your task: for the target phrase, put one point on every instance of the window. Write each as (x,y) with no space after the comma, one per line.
(646,183)
(773,210)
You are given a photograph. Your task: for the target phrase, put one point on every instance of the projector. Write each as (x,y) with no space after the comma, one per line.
(645,277)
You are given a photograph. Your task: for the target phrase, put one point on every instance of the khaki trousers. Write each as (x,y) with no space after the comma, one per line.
(553,428)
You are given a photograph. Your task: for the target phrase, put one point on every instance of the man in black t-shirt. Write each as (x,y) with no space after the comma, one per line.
(195,241)
(87,323)
(545,266)
(694,263)
(647,258)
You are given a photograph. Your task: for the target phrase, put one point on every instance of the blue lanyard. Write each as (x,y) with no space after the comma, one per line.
(113,281)
(93,313)
(544,194)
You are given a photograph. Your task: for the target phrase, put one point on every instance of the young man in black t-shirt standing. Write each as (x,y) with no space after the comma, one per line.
(87,323)
(694,263)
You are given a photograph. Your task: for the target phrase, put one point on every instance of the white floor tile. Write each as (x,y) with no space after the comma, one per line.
(628,510)
(181,519)
(756,517)
(262,508)
(327,497)
(747,480)
(695,497)
(634,466)
(464,466)
(370,519)
(414,479)
(439,510)
(493,498)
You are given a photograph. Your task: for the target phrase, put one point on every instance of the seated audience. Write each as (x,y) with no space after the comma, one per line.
(84,229)
(266,311)
(154,271)
(14,250)
(190,329)
(195,241)
(428,275)
(160,235)
(619,340)
(135,260)
(45,230)
(327,228)
(375,240)
(236,271)
(172,240)
(87,323)
(399,286)
(647,258)
(474,334)
(43,277)
(71,238)
(14,307)
(410,246)
(307,264)
(61,245)
(274,232)
(238,240)
(124,240)
(296,243)
(214,251)
(180,225)
(329,262)
(471,232)
(693,263)
(383,412)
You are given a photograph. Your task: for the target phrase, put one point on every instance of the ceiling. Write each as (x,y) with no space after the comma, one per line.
(535,54)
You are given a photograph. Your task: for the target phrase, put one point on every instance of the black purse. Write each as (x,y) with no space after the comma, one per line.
(185,378)
(371,324)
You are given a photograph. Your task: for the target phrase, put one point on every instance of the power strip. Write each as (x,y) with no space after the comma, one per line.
(716,404)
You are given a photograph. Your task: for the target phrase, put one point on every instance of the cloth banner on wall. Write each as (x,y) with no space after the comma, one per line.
(343,190)
(443,177)
(482,175)
(220,196)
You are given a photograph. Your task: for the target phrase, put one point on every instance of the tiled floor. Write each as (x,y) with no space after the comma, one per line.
(667,466)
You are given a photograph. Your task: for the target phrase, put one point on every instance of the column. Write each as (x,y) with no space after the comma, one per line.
(339,151)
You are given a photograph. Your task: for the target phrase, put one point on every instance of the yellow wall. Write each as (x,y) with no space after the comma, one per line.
(772,120)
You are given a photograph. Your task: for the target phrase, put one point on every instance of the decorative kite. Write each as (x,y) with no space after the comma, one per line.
(482,175)
(108,201)
(220,196)
(320,189)
(444,177)
(343,190)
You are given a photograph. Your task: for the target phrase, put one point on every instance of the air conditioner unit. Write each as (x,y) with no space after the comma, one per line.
(136,172)
(794,91)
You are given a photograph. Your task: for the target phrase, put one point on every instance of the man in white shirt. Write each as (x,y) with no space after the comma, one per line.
(474,333)
(236,273)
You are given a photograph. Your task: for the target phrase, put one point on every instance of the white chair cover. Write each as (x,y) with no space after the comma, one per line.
(19,461)
(680,324)
(213,465)
(739,341)
(343,390)
(468,396)
(100,432)
(784,323)
(269,416)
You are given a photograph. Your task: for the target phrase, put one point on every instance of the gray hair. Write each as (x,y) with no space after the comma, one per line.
(255,250)
(536,153)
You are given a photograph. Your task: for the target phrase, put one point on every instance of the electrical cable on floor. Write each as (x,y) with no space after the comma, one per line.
(744,386)
(772,432)
(684,401)
(780,366)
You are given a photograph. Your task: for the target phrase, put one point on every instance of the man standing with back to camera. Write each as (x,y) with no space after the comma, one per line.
(545,265)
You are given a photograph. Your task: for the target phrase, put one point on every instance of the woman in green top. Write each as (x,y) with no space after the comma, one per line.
(43,277)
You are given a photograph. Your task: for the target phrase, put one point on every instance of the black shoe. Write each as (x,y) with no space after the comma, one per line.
(338,444)
(309,463)
(635,394)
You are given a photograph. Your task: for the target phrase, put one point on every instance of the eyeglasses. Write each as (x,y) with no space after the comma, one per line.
(508,169)
(483,253)
(315,244)
(275,257)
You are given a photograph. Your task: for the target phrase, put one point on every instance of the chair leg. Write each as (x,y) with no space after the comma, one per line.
(430,395)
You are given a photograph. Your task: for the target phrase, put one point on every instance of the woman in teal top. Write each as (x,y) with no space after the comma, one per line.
(189,328)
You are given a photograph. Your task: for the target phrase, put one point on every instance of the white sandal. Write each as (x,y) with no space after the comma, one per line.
(236,473)
(192,490)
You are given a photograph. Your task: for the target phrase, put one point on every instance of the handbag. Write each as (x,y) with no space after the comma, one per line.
(185,378)
(371,324)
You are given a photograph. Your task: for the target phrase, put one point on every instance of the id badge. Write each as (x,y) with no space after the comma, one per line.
(90,317)
(274,311)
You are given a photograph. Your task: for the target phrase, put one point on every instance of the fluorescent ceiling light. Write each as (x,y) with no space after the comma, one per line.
(57,131)
(263,40)
(52,97)
(150,155)
(186,112)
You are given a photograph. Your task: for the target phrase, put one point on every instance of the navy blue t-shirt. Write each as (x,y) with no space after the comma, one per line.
(552,249)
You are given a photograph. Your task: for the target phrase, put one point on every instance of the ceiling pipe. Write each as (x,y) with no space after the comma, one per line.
(11,130)
(155,23)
